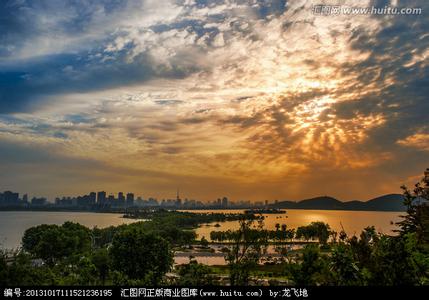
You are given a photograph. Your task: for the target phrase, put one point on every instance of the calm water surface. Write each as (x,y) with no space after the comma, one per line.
(352,221)
(14,223)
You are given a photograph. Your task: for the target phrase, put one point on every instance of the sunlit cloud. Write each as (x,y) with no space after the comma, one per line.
(418,140)
(250,99)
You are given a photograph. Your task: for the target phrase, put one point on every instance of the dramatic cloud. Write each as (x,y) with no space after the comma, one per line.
(250,99)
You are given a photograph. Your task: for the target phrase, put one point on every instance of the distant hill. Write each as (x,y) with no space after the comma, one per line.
(320,203)
(390,202)
(387,202)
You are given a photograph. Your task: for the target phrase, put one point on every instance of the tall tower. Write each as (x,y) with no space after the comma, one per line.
(178,200)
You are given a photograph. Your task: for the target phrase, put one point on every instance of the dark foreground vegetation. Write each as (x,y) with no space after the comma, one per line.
(142,253)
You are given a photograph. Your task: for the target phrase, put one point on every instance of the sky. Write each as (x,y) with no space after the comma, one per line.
(249,99)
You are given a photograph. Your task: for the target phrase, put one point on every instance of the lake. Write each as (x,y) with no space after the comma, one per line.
(14,223)
(352,221)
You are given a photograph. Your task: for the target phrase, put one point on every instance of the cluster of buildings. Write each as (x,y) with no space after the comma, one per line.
(103,201)
(225,203)
(97,200)
(8,198)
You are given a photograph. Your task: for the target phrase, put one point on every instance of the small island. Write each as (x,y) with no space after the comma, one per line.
(264,211)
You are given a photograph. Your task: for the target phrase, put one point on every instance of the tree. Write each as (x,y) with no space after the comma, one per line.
(397,261)
(76,270)
(318,230)
(312,269)
(344,268)
(21,271)
(3,268)
(194,274)
(101,260)
(52,242)
(204,243)
(417,217)
(362,248)
(281,236)
(141,256)
(246,250)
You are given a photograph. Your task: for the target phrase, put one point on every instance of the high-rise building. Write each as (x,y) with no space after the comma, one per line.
(121,198)
(101,198)
(92,198)
(224,202)
(153,202)
(111,200)
(38,201)
(10,198)
(130,199)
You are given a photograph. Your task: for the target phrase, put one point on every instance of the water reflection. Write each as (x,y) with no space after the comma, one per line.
(14,223)
(353,222)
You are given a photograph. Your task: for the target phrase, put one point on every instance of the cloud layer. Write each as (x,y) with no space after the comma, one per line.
(250,99)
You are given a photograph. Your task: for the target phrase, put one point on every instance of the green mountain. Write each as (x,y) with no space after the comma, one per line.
(390,202)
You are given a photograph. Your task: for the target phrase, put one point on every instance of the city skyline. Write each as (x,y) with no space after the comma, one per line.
(117,196)
(102,199)
(105,202)
(249,99)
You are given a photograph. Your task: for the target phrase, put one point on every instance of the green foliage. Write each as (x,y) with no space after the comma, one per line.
(194,274)
(271,235)
(362,248)
(245,252)
(75,255)
(102,237)
(316,230)
(376,259)
(417,218)
(344,269)
(397,261)
(204,243)
(101,260)
(176,231)
(53,242)
(21,271)
(141,255)
(3,268)
(188,220)
(312,269)
(76,270)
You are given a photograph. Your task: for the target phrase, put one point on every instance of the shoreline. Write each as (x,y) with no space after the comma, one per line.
(123,210)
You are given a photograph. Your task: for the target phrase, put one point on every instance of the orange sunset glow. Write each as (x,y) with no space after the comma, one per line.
(254,100)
